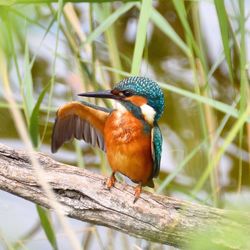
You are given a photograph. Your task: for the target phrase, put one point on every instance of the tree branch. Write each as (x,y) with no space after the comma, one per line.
(153,217)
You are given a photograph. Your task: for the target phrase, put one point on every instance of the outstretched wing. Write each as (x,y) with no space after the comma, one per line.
(156,148)
(81,121)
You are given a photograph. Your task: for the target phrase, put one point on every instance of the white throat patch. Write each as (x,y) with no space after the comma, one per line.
(120,107)
(148,113)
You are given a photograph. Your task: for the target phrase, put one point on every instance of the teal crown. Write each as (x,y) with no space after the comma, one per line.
(143,86)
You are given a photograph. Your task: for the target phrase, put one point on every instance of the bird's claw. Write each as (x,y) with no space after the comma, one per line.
(110,181)
(138,189)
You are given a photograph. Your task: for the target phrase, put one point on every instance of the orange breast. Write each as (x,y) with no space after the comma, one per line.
(128,146)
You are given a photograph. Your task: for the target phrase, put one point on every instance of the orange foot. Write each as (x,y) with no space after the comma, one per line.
(111,181)
(137,192)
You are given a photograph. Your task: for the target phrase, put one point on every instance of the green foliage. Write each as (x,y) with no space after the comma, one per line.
(141,36)
(110,20)
(208,238)
(228,140)
(34,118)
(98,55)
(225,31)
(47,226)
(167,29)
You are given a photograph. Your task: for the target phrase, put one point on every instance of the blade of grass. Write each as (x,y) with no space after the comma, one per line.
(179,168)
(94,60)
(225,108)
(47,226)
(197,61)
(47,30)
(182,14)
(52,80)
(222,124)
(109,21)
(224,29)
(36,23)
(145,13)
(231,135)
(27,85)
(27,236)
(118,71)
(34,118)
(5,242)
(166,28)
(38,171)
(216,64)
(105,12)
(210,126)
(244,86)
(20,106)
(10,30)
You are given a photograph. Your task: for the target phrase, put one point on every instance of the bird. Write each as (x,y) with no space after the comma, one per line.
(128,133)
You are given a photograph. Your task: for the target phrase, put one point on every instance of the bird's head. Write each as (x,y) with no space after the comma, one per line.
(140,92)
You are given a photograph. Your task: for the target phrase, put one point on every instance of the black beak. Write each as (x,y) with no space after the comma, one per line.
(101,94)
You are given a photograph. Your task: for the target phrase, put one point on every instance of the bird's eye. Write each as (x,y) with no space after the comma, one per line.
(127,93)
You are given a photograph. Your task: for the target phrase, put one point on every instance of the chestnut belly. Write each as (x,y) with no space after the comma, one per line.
(128,147)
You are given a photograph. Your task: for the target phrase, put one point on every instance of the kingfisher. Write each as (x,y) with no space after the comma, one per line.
(128,133)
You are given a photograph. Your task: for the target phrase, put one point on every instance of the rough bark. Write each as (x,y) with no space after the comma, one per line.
(153,217)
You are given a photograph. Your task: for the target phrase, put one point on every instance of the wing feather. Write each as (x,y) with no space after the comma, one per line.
(82,121)
(156,148)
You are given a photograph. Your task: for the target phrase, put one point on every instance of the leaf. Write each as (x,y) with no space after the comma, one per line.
(224,29)
(227,141)
(225,108)
(34,118)
(47,226)
(166,28)
(27,84)
(146,9)
(109,21)
(182,14)
(181,166)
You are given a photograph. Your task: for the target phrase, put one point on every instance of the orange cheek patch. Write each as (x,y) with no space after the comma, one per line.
(137,100)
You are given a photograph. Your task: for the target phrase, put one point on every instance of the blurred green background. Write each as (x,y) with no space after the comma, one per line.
(198,51)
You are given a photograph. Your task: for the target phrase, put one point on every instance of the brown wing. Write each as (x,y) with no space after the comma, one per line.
(80,121)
